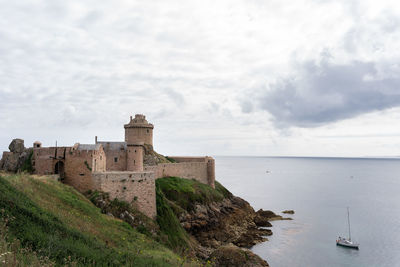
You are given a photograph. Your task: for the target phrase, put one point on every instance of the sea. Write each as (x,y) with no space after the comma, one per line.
(319,190)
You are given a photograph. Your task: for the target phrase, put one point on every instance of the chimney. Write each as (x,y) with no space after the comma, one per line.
(95,139)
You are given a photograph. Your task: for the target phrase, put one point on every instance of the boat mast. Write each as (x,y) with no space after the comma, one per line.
(348,219)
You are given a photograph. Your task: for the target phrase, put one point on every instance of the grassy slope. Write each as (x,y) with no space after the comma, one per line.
(58,222)
(13,254)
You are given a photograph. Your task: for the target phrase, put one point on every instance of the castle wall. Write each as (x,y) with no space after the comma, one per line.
(78,170)
(203,172)
(45,158)
(79,165)
(42,161)
(119,164)
(137,188)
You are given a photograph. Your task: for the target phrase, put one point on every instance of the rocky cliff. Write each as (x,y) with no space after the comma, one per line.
(218,223)
(221,223)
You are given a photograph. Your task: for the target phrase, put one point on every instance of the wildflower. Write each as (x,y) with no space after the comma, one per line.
(5,253)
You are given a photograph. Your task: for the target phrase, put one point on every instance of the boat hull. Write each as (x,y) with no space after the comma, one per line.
(347,245)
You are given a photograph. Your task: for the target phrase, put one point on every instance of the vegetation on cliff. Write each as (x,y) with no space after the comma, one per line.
(177,238)
(187,193)
(59,224)
(176,196)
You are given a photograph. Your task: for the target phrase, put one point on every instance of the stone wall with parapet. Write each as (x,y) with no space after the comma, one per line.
(80,165)
(44,158)
(201,169)
(136,188)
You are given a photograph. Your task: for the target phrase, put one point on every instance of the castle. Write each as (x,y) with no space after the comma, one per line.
(126,170)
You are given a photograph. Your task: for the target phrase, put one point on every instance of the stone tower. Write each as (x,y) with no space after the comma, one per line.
(138,132)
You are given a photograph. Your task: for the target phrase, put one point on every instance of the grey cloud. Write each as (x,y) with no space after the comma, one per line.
(214,107)
(175,96)
(326,93)
(246,106)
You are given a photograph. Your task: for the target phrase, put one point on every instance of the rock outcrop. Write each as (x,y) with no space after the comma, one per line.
(18,156)
(232,256)
(229,221)
(151,158)
(17,146)
(268,215)
(288,211)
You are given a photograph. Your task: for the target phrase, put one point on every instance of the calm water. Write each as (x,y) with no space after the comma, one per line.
(319,190)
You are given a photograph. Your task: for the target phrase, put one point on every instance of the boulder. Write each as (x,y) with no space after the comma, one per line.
(10,161)
(18,157)
(17,146)
(266,214)
(288,211)
(262,221)
(233,256)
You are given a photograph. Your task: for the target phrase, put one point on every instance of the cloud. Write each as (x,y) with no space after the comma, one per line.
(175,96)
(66,66)
(246,106)
(327,92)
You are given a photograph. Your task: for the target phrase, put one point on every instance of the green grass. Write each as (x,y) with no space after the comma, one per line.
(57,222)
(177,238)
(170,159)
(13,254)
(187,193)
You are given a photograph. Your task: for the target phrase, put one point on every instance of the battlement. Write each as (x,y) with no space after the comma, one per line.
(139,122)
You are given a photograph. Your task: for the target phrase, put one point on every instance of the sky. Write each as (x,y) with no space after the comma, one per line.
(226,77)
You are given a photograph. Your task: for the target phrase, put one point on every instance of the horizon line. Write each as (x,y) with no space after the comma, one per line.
(326,157)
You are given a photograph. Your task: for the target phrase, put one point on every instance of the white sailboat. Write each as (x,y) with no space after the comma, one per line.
(346,242)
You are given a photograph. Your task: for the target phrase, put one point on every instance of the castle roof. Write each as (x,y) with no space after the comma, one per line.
(89,146)
(112,146)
